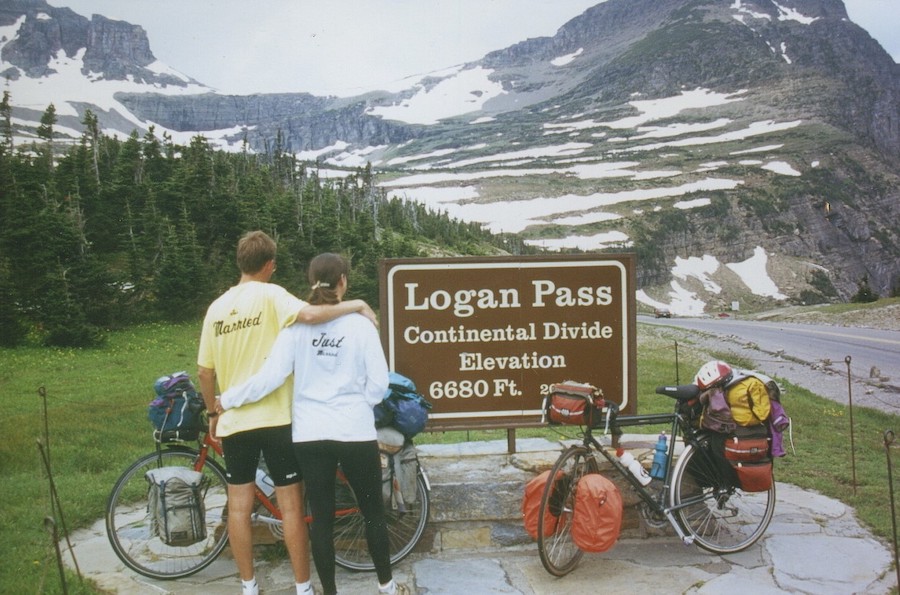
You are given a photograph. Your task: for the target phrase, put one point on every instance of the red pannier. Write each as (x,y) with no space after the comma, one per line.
(597,517)
(748,452)
(531,504)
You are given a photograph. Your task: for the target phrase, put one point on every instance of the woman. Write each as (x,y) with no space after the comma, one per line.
(340,374)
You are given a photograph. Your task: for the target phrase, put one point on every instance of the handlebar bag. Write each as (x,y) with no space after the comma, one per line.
(574,403)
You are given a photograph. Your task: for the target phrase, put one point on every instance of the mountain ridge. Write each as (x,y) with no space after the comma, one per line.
(761,114)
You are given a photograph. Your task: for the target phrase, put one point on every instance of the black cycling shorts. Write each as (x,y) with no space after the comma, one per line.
(242,452)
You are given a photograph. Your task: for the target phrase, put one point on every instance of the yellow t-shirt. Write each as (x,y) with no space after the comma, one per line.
(238,332)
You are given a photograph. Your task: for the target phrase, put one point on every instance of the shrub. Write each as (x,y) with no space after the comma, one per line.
(865,294)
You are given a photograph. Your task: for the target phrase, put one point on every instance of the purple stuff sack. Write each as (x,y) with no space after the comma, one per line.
(778,423)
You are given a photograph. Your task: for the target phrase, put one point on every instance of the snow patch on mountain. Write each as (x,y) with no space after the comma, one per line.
(530,154)
(786,13)
(763,149)
(781,167)
(752,273)
(746,11)
(698,268)
(668,107)
(691,204)
(752,129)
(462,93)
(608,239)
(516,215)
(563,60)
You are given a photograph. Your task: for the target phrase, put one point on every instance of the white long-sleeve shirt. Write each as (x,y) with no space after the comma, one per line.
(340,374)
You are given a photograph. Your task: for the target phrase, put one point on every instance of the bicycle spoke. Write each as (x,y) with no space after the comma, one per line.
(725,519)
(128,524)
(558,551)
(405,528)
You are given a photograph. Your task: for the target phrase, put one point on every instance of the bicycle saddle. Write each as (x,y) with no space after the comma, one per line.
(681,392)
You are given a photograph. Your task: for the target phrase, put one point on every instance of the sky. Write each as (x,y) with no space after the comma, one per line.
(346,47)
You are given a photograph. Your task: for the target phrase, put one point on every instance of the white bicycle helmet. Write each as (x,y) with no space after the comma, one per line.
(712,374)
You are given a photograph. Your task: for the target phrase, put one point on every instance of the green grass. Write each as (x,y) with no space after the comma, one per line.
(837,309)
(96,416)
(97,419)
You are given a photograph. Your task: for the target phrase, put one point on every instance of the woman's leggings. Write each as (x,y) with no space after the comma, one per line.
(361,464)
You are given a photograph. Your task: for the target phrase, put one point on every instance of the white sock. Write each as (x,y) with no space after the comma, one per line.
(251,584)
(389,588)
(305,588)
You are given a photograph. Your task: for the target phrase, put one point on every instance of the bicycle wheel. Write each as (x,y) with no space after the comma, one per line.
(405,528)
(722,518)
(559,554)
(128,524)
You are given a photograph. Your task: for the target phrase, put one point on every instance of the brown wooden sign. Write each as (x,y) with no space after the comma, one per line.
(484,338)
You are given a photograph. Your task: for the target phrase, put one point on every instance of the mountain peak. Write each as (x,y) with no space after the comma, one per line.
(35,36)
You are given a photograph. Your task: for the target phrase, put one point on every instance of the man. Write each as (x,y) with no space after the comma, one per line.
(238,332)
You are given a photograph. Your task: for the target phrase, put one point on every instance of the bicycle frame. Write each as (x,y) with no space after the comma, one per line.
(657,499)
(208,443)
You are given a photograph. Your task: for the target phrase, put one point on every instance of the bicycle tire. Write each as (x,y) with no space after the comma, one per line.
(128,522)
(405,529)
(722,518)
(559,553)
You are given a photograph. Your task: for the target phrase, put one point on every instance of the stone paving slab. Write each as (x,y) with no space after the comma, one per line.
(814,545)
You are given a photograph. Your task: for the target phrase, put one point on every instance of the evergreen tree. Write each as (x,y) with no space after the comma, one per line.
(12,320)
(181,281)
(6,124)
(45,133)
(865,293)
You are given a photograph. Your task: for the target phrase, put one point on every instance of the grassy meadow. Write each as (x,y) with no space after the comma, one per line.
(96,425)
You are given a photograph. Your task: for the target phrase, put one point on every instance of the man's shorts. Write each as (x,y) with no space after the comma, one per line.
(276,445)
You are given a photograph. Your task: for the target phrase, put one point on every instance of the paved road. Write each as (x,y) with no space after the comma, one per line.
(873,353)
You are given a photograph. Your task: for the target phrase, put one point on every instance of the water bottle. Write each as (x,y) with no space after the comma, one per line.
(264,483)
(660,458)
(634,466)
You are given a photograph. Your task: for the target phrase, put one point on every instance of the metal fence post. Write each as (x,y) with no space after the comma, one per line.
(888,440)
(850,405)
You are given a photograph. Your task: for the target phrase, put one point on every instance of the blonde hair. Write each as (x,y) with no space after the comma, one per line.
(254,250)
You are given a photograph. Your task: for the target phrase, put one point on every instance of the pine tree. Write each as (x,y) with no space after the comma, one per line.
(6,124)
(45,133)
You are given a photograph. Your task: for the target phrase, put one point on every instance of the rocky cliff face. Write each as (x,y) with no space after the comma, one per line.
(117,49)
(304,121)
(112,50)
(40,37)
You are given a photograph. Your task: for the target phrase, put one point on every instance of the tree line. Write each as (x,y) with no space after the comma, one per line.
(105,233)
